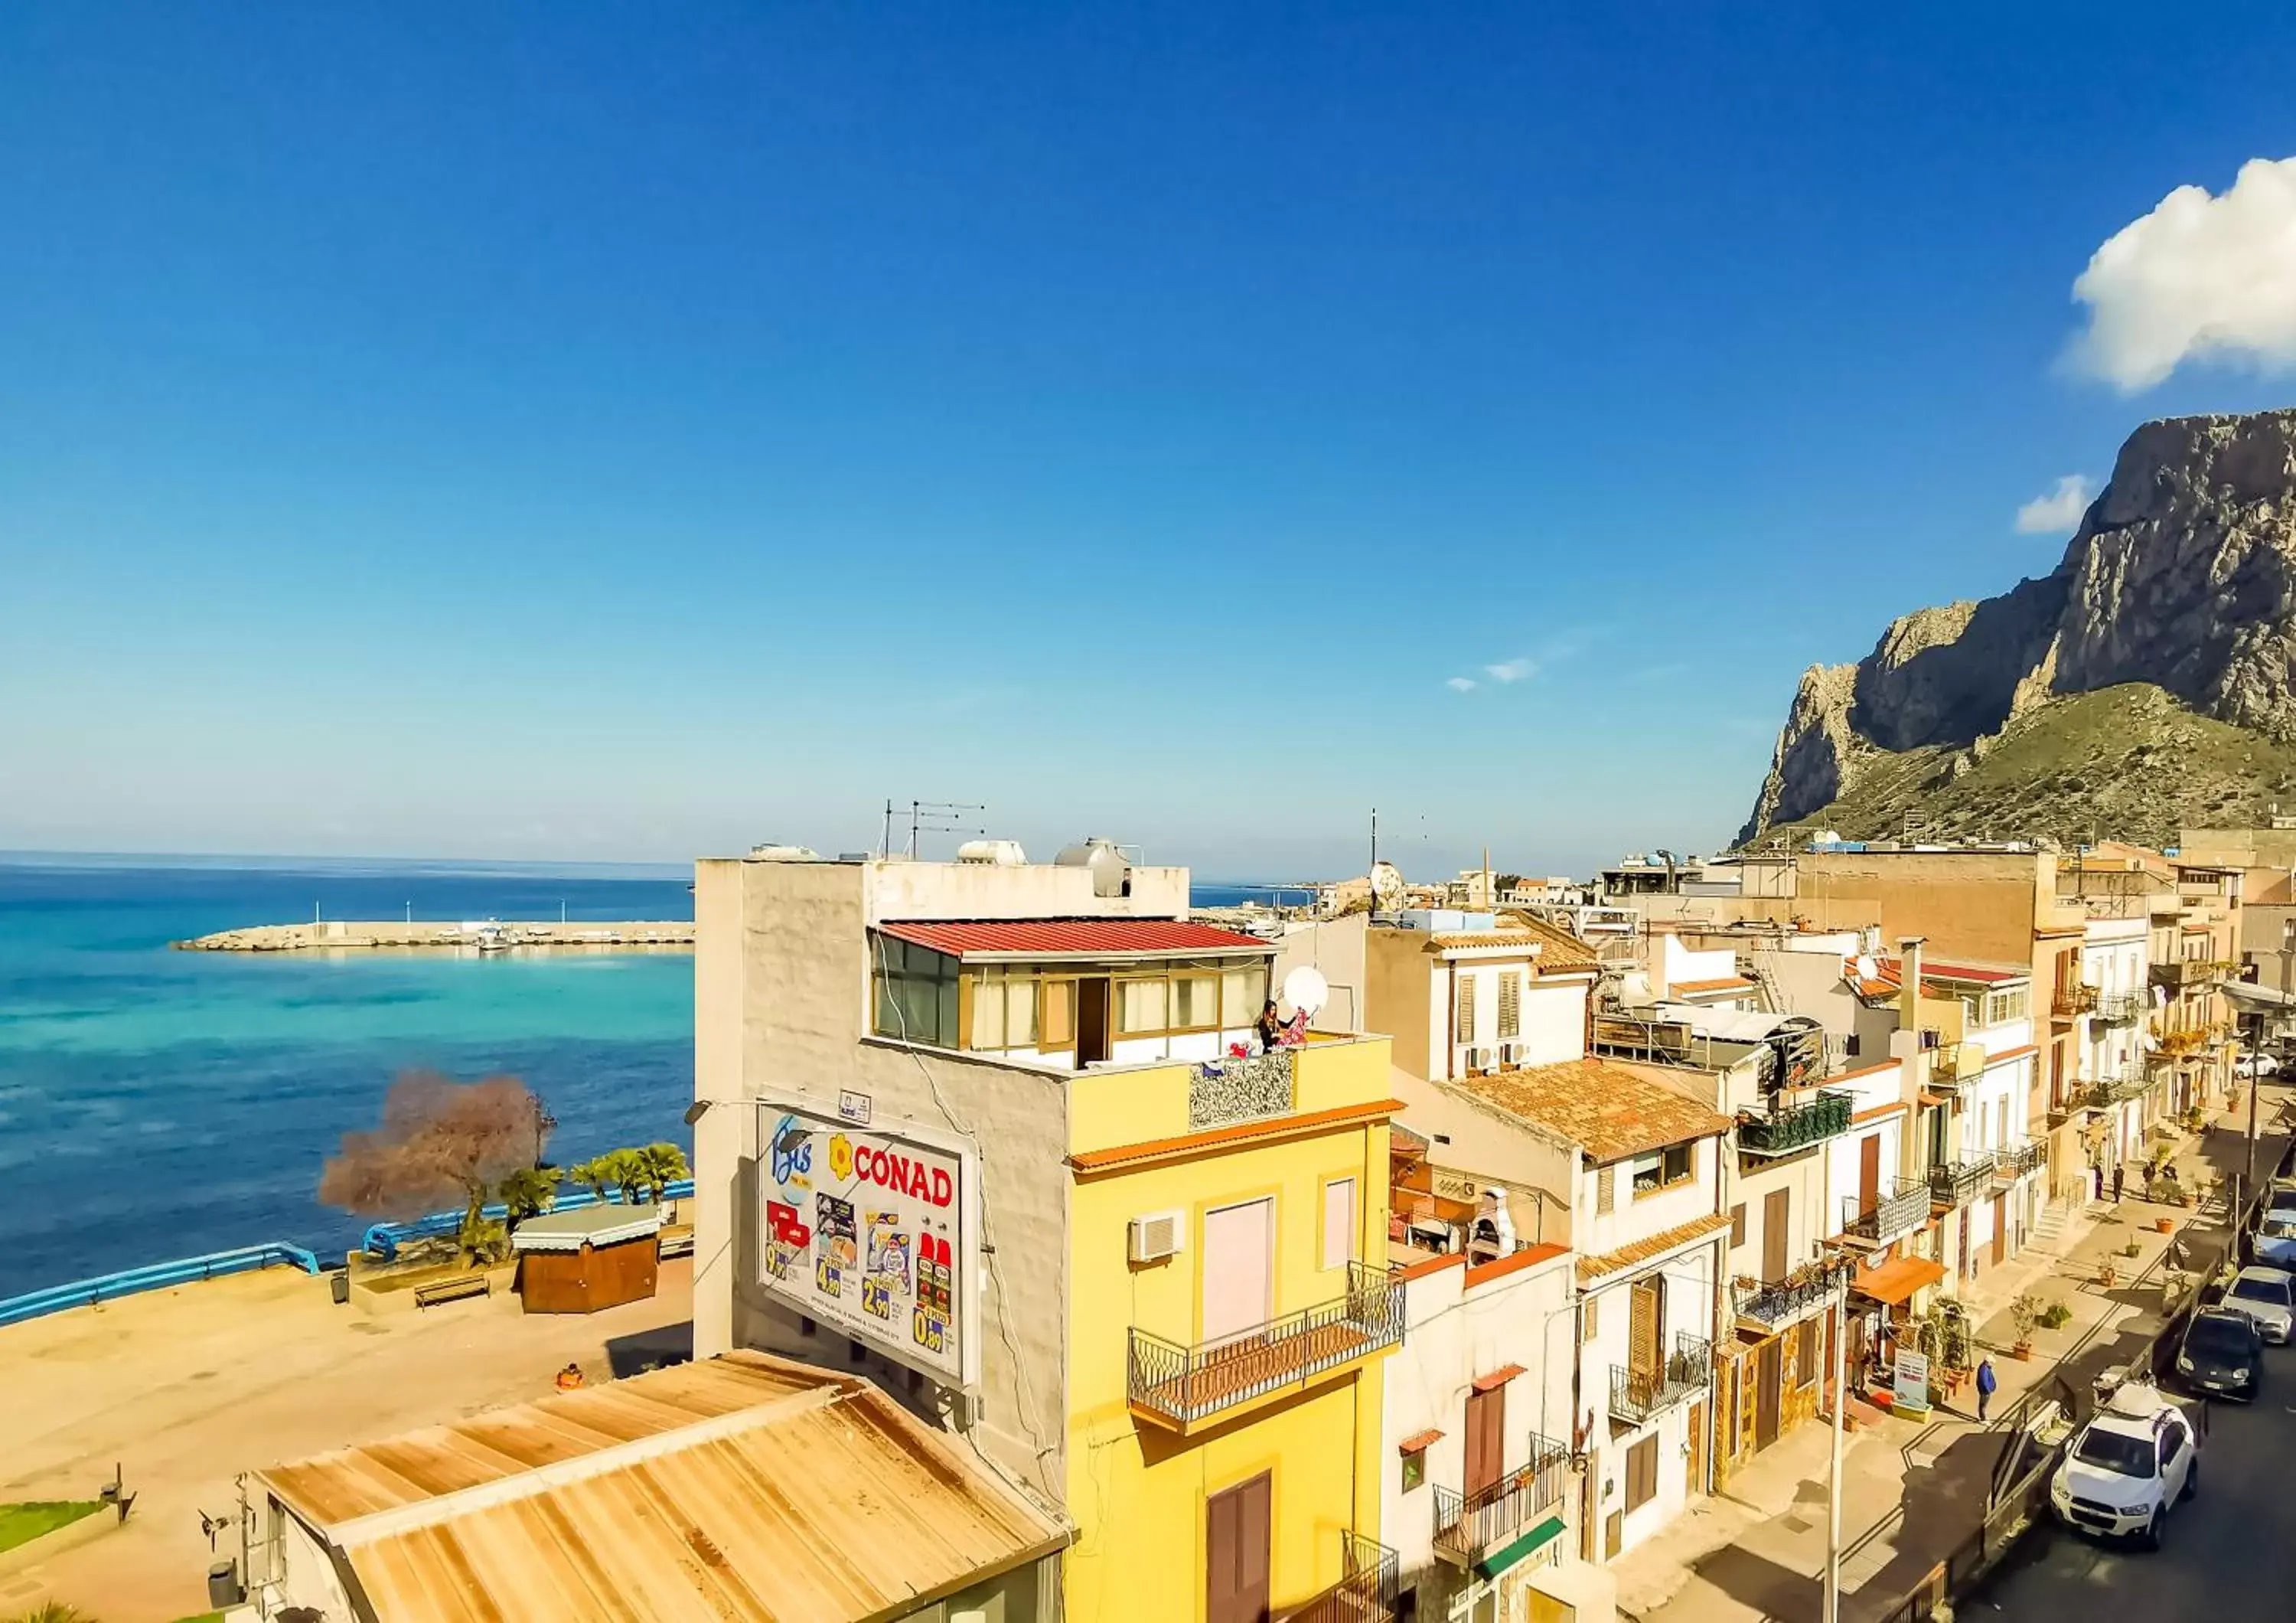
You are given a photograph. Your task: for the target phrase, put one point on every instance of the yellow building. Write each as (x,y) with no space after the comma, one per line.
(976,1129)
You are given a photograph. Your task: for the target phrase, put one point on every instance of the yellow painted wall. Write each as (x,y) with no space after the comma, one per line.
(1136,1488)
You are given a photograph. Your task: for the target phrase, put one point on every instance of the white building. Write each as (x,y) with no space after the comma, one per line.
(2115,962)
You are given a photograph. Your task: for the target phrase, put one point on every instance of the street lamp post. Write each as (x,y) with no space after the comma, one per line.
(1832,1613)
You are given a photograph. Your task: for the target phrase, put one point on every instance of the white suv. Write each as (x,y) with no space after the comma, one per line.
(2129,1468)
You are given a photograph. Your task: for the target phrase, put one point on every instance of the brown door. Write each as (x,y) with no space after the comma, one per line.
(1869,1174)
(1235,1552)
(1486,1438)
(1645,1315)
(1693,1478)
(1092,1021)
(1777,1205)
(2000,1230)
(1769,1367)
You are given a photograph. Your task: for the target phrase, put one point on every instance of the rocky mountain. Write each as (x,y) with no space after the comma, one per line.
(2181,578)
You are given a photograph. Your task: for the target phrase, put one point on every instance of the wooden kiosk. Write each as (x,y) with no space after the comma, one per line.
(592,1257)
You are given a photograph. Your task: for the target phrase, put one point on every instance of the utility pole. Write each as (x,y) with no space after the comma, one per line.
(1373,869)
(1832,1594)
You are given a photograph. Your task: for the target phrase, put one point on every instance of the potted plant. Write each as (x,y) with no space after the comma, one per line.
(2105,1278)
(2056,1315)
(2024,1313)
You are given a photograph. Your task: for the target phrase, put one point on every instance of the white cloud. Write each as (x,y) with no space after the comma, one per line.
(2201,277)
(2059,511)
(1461,684)
(1512,670)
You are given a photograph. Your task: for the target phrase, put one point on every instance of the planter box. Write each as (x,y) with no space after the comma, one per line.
(55,1542)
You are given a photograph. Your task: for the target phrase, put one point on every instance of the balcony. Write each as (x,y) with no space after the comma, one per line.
(1222,1092)
(2126,1083)
(1185,1387)
(1773,1306)
(2119,1007)
(1900,1207)
(1370,1585)
(2074,998)
(2183,1042)
(2011,1162)
(1958,1062)
(1790,1126)
(1959,1182)
(2191,974)
(1471,1527)
(1638,1395)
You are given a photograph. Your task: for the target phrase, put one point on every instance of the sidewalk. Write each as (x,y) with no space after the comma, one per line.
(1911,1487)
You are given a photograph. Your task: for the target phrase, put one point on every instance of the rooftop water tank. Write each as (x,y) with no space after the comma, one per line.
(784,854)
(996,854)
(1112,873)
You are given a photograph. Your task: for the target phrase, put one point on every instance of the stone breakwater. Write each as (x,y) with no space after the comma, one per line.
(330,934)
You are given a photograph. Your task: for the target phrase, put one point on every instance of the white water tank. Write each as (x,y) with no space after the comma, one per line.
(996,854)
(784,854)
(1112,872)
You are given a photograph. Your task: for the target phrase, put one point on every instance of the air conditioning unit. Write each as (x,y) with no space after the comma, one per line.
(1158,1235)
(1511,1053)
(1479,1059)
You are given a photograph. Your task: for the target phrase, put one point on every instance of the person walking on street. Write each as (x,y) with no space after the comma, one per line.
(1985,1385)
(2120,1172)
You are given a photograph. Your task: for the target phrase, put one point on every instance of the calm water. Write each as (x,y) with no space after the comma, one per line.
(156,1103)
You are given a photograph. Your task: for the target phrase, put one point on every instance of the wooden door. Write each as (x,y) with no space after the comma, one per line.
(1769,1365)
(1777,1208)
(2000,1230)
(1239,1268)
(1235,1552)
(1869,1174)
(1486,1438)
(1092,1021)
(1693,1480)
(1646,1326)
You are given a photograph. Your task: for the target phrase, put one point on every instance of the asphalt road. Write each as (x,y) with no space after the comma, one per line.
(2230,1551)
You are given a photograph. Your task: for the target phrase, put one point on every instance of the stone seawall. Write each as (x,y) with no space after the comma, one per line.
(490,936)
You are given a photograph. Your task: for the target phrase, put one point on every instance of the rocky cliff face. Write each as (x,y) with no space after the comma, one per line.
(2182,574)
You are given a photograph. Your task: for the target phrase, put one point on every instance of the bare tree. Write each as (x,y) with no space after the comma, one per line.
(439,1140)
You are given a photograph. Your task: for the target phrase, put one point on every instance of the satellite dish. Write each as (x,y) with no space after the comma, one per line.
(1867,970)
(1306,990)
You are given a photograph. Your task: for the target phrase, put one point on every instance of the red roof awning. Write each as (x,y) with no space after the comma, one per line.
(1419,1442)
(1048,939)
(1896,1281)
(1498,1377)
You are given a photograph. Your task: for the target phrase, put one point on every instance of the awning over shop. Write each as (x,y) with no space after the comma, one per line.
(1533,1540)
(2258,999)
(1894,1282)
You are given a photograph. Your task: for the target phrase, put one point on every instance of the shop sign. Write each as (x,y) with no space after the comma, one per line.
(871,1233)
(1911,1387)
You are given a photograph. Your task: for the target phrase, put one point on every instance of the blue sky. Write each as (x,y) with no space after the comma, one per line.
(626,432)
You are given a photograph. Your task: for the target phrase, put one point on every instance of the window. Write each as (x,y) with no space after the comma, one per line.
(915,994)
(1057,1014)
(1511,1004)
(1662,1169)
(1813,1332)
(1850,1046)
(1196,1002)
(1605,1180)
(1142,1005)
(1593,1319)
(2002,1007)
(1738,1224)
(1005,1009)
(1466,1033)
(1415,1468)
(1242,992)
(1338,1222)
(1642,1474)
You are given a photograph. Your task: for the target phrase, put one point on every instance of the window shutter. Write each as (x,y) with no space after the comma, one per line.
(1606,1179)
(1643,1327)
(1511,1004)
(1738,1224)
(1466,1011)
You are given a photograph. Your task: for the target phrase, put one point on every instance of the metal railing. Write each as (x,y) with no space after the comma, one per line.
(1222,1092)
(154,1276)
(1899,1208)
(2077,998)
(2119,1007)
(2013,1161)
(1182,1385)
(2182,974)
(1637,1395)
(1467,1525)
(1790,1126)
(1370,1585)
(1959,1182)
(1774,1304)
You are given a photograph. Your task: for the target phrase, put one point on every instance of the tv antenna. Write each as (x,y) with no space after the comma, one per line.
(934,817)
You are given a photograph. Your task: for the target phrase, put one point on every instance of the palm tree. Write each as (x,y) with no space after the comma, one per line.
(597,1173)
(526,1193)
(629,1173)
(664,1165)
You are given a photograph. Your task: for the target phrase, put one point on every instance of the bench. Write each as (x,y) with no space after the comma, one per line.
(453,1290)
(675,1245)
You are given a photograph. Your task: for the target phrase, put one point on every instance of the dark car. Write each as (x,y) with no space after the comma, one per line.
(2222,1353)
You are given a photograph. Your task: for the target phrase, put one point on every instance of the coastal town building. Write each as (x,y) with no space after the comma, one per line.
(992,1133)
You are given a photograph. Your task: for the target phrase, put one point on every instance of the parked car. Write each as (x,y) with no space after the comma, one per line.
(2249,1066)
(2222,1352)
(2276,1236)
(2267,1295)
(2129,1468)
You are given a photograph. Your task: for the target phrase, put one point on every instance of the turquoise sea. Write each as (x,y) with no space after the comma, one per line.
(156,1103)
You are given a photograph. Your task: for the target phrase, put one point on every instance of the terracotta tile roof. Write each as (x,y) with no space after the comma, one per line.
(1498,1377)
(1562,950)
(1529,1257)
(1072,938)
(1727,982)
(1608,1111)
(1418,1442)
(1635,1252)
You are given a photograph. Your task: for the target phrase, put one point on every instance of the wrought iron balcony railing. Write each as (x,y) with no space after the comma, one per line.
(1789,1127)
(1776,1303)
(1370,1585)
(2013,1161)
(2119,1007)
(2076,998)
(1638,1394)
(2126,1083)
(1469,1526)
(1959,1182)
(2190,974)
(1900,1207)
(1183,1386)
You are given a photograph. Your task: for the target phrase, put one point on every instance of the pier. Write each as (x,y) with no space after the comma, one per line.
(485,935)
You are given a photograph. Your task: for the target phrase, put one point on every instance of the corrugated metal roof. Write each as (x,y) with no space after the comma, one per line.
(743,1488)
(1074,937)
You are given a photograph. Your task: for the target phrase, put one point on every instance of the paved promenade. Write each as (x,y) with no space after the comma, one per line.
(185,1389)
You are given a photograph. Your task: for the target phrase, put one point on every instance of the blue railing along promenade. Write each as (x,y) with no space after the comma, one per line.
(383,1239)
(154,1276)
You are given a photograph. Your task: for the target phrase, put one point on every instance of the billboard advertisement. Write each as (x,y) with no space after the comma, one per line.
(869,1230)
